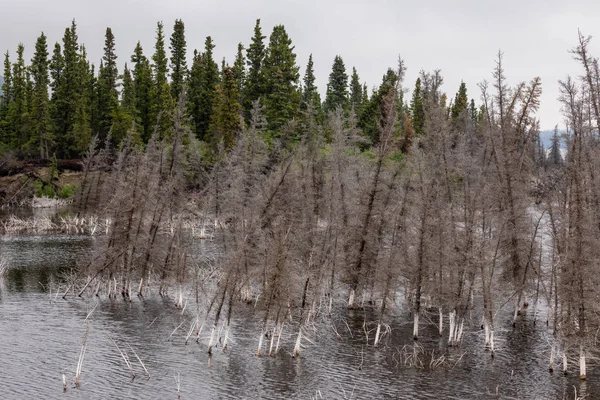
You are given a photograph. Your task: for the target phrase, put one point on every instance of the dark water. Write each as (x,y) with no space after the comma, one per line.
(40,340)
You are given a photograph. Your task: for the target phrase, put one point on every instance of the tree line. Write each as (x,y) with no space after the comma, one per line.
(58,102)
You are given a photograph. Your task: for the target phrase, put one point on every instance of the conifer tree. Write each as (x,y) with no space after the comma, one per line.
(205,97)
(310,89)
(163,101)
(337,88)
(18,111)
(80,135)
(71,84)
(554,156)
(125,123)
(473,111)
(108,96)
(356,91)
(67,88)
(178,61)
(255,85)
(282,97)
(311,99)
(194,90)
(40,117)
(239,70)
(309,81)
(226,121)
(57,66)
(7,84)
(417,110)
(92,94)
(143,91)
(461,102)
(5,101)
(128,93)
(370,113)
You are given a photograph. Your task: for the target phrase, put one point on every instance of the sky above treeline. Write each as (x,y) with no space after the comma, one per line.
(461,38)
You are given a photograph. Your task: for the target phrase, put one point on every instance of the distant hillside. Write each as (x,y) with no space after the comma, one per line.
(546,138)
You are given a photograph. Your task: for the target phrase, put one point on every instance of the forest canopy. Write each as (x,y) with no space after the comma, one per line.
(55,103)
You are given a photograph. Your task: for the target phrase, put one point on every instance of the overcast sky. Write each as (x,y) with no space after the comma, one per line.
(461,38)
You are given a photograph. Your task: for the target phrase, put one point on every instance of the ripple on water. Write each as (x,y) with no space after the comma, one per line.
(40,341)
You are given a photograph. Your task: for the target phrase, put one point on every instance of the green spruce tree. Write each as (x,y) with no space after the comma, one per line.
(282,97)
(311,99)
(125,124)
(473,111)
(178,61)
(194,90)
(310,89)
(337,87)
(67,88)
(370,113)
(205,97)
(40,116)
(417,110)
(555,158)
(71,91)
(143,91)
(356,91)
(162,110)
(81,133)
(226,121)
(461,102)
(255,80)
(108,95)
(5,101)
(18,111)
(57,99)
(239,70)
(128,93)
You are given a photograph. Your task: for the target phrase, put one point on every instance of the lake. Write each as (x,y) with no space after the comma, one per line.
(41,338)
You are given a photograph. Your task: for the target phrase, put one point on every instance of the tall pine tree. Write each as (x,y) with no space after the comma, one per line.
(5,101)
(208,80)
(461,102)
(239,70)
(255,82)
(108,96)
(282,97)
(6,98)
(71,90)
(417,110)
(337,88)
(144,91)
(226,121)
(178,61)
(40,116)
(81,133)
(371,110)
(163,101)
(67,89)
(57,66)
(356,91)
(125,123)
(18,111)
(194,91)
(309,92)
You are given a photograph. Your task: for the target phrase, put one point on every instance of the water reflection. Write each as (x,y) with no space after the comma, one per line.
(40,340)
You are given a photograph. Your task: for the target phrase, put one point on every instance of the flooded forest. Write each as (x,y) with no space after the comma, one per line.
(162,223)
